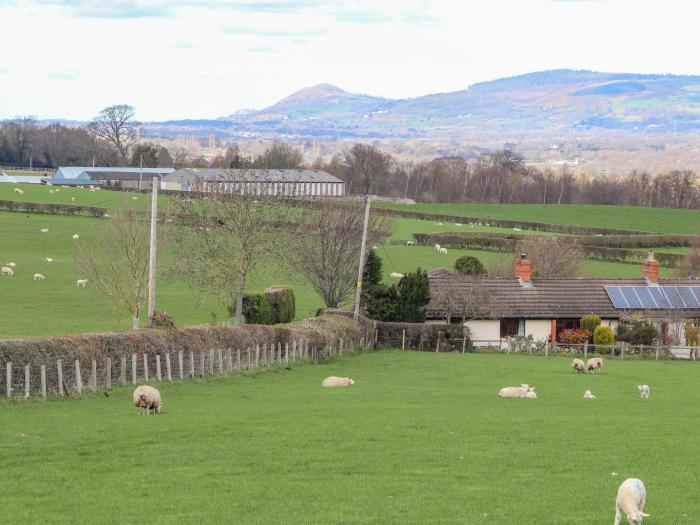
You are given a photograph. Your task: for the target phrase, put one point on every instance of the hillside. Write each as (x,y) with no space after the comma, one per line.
(548,101)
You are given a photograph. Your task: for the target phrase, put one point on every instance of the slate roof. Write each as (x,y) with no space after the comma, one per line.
(74,172)
(545,299)
(252,175)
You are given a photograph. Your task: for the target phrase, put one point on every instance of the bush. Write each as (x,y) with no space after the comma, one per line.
(603,335)
(161,320)
(589,322)
(637,333)
(273,305)
(692,335)
(413,297)
(574,336)
(282,302)
(469,265)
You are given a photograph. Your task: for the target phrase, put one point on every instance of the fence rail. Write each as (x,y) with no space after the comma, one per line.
(71,379)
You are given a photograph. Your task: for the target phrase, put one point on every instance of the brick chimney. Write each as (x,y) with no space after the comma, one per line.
(650,269)
(523,270)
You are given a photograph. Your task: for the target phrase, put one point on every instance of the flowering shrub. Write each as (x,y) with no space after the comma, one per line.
(574,336)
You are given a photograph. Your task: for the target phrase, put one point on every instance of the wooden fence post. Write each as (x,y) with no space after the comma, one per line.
(27,379)
(585,350)
(133,369)
(159,376)
(248,359)
(403,339)
(43,381)
(286,353)
(181,363)
(464,340)
(93,377)
(78,378)
(8,377)
(294,351)
(122,372)
(657,353)
(109,373)
(279,352)
(238,359)
(229,360)
(202,358)
(191,364)
(622,352)
(211,361)
(168,368)
(145,367)
(437,345)
(341,343)
(257,355)
(59,369)
(219,355)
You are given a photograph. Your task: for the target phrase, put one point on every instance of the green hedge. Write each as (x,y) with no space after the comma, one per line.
(53,209)
(273,305)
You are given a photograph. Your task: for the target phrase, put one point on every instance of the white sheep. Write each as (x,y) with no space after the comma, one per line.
(514,391)
(44,230)
(337,382)
(443,251)
(530,394)
(12,264)
(7,271)
(437,247)
(57,190)
(51,191)
(578,365)
(438,223)
(39,277)
(631,497)
(643,391)
(397,275)
(19,191)
(147,398)
(80,283)
(458,223)
(76,236)
(588,395)
(49,260)
(594,363)
(517,230)
(72,199)
(410,243)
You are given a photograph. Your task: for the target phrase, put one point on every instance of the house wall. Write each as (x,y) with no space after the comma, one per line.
(539,329)
(484,330)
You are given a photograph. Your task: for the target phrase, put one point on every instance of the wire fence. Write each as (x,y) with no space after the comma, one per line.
(66,379)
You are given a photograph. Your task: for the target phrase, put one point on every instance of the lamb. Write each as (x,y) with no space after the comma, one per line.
(49,260)
(588,395)
(643,391)
(39,277)
(19,191)
(12,264)
(437,247)
(337,382)
(80,283)
(76,236)
(594,363)
(578,365)
(410,243)
(397,275)
(530,394)
(631,497)
(147,398)
(44,230)
(443,251)
(6,270)
(514,391)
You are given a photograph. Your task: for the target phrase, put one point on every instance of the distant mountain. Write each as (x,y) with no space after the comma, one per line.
(546,101)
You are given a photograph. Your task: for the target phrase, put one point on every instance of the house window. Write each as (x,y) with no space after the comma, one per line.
(512,327)
(566,324)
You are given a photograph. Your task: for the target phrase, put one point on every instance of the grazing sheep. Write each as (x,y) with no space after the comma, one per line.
(517,230)
(397,275)
(437,247)
(578,365)
(443,251)
(44,230)
(19,191)
(594,363)
(80,283)
(76,236)
(7,271)
(631,497)
(458,223)
(51,191)
(49,260)
(588,395)
(439,224)
(147,398)
(336,382)
(410,243)
(514,391)
(643,391)
(39,277)
(11,264)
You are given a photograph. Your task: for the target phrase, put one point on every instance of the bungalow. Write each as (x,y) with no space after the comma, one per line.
(497,308)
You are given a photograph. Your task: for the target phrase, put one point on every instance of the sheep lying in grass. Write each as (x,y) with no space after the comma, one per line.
(6,271)
(631,497)
(44,230)
(643,391)
(514,391)
(147,398)
(76,236)
(337,382)
(11,264)
(579,366)
(594,363)
(530,394)
(39,277)
(588,395)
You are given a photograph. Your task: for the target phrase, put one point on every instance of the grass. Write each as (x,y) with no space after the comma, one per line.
(420,438)
(663,220)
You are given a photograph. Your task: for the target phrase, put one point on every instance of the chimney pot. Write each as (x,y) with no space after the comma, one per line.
(523,269)
(650,269)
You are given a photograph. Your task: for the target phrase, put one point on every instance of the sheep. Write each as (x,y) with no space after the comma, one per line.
(514,391)
(578,365)
(80,283)
(134,198)
(39,277)
(588,395)
(397,275)
(458,223)
(51,191)
(437,247)
(44,230)
(72,199)
(530,394)
(12,264)
(594,363)
(19,191)
(336,382)
(443,251)
(57,190)
(631,497)
(76,236)
(106,215)
(147,398)
(517,230)
(49,260)
(438,224)
(7,271)
(643,391)
(410,243)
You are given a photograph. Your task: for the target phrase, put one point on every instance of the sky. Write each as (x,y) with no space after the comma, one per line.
(206,59)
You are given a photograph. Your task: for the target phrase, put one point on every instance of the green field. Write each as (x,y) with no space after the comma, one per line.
(420,438)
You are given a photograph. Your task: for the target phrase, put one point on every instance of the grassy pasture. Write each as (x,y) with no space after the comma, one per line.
(420,438)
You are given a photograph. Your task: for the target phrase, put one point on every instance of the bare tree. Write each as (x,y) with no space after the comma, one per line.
(365,165)
(117,126)
(116,263)
(552,256)
(224,234)
(280,156)
(326,248)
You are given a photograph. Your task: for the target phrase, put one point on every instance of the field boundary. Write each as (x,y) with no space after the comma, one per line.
(51,209)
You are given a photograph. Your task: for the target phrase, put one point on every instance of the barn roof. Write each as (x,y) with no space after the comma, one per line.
(83,172)
(249,175)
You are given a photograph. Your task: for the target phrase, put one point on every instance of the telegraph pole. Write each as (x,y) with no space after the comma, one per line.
(152,250)
(361,268)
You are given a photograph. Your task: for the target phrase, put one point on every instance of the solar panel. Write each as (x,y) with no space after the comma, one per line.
(654,297)
(615,295)
(674,297)
(631,297)
(659,296)
(688,296)
(645,296)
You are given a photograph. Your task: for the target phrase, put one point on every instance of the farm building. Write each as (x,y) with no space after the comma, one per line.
(497,308)
(21,179)
(291,182)
(119,177)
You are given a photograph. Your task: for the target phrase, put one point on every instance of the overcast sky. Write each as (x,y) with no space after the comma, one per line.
(208,58)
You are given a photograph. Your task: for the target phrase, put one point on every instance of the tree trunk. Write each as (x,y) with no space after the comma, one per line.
(135,321)
(238,318)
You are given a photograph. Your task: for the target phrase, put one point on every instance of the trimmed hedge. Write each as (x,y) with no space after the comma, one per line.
(273,305)
(53,209)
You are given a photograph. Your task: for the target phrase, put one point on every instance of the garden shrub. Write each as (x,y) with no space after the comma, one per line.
(692,335)
(574,336)
(637,333)
(603,335)
(469,265)
(273,305)
(589,322)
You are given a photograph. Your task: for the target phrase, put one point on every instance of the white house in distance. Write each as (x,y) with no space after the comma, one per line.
(289,182)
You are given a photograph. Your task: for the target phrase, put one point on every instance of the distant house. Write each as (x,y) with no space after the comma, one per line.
(497,308)
(289,182)
(119,177)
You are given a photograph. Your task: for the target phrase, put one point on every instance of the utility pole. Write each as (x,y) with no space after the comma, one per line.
(152,250)
(361,268)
